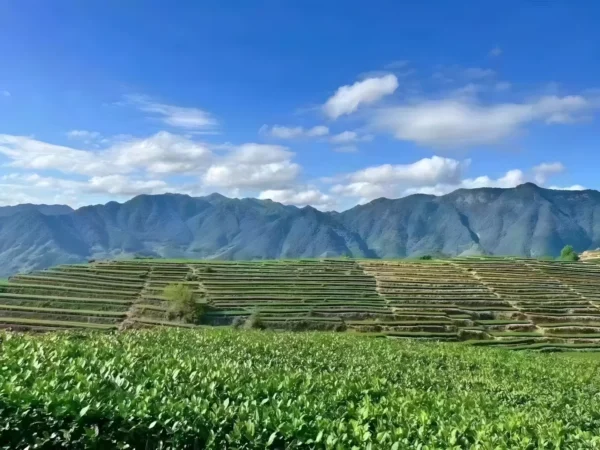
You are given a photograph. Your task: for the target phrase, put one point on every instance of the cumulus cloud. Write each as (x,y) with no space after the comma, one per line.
(254,166)
(161,153)
(282,132)
(125,186)
(392,180)
(347,99)
(544,170)
(433,176)
(28,153)
(44,189)
(460,122)
(300,197)
(175,116)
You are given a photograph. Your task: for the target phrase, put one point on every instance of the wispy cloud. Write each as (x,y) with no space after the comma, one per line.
(496,51)
(463,122)
(347,99)
(283,132)
(5,93)
(175,116)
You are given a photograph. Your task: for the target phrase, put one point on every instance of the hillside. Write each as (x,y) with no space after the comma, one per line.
(523,221)
(515,303)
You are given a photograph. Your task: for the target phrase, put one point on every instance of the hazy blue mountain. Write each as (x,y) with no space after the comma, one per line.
(49,210)
(526,220)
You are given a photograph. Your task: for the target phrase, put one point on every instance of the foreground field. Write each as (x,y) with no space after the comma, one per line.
(222,389)
(509,302)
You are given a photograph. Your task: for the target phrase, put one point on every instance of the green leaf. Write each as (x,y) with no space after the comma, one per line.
(272,438)
(319,436)
(84,410)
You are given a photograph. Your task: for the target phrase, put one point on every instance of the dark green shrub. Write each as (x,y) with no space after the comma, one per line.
(426,257)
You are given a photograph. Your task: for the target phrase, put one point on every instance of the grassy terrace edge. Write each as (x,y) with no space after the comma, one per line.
(481,299)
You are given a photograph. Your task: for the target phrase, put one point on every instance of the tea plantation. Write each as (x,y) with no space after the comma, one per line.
(501,302)
(232,389)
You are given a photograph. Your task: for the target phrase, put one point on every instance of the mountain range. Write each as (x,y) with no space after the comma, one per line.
(526,220)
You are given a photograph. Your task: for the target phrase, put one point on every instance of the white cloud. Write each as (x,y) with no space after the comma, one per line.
(544,170)
(5,93)
(176,116)
(319,130)
(282,132)
(347,99)
(398,64)
(424,171)
(478,73)
(510,179)
(433,176)
(502,86)
(575,187)
(254,166)
(300,197)
(28,153)
(346,149)
(41,189)
(392,180)
(83,135)
(344,137)
(456,122)
(122,185)
(161,153)
(496,51)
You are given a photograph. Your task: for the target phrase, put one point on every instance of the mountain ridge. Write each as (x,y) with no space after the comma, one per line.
(526,220)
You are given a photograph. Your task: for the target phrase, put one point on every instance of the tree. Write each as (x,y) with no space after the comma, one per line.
(426,257)
(182,304)
(254,321)
(569,254)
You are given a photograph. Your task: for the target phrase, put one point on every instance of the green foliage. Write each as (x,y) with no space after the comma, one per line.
(182,304)
(227,389)
(569,254)
(426,257)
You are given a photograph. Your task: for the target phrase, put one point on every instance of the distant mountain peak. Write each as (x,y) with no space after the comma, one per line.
(526,220)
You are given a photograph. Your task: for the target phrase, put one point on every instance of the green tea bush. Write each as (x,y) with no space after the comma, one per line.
(227,389)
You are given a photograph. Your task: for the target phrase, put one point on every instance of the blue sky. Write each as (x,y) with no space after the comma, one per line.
(302,102)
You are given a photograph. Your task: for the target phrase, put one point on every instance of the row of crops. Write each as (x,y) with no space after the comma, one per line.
(219,389)
(517,303)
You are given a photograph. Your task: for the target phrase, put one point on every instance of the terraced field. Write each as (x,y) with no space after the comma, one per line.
(508,302)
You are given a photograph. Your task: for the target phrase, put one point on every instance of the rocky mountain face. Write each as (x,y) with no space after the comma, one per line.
(526,220)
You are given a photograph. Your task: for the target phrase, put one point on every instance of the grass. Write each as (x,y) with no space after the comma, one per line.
(84,312)
(54,323)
